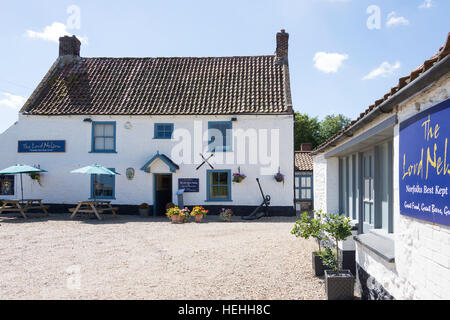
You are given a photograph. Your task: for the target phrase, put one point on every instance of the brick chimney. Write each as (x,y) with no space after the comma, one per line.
(69,46)
(282,45)
(306,147)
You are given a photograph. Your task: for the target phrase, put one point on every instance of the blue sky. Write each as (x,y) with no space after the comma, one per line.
(338,64)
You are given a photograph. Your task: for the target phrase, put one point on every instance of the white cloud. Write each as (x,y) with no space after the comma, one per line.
(384,70)
(52,33)
(329,62)
(427,4)
(12,101)
(394,20)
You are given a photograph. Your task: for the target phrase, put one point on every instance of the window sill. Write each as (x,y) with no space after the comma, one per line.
(155,138)
(221,200)
(383,247)
(106,199)
(102,151)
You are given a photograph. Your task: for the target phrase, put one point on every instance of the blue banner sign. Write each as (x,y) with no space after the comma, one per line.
(425,165)
(42,146)
(189,185)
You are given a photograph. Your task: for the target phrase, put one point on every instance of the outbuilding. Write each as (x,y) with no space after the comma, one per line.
(304,193)
(389,171)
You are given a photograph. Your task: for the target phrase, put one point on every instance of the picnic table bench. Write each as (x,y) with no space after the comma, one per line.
(23,206)
(93,207)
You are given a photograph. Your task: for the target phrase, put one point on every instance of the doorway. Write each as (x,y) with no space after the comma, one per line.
(162,193)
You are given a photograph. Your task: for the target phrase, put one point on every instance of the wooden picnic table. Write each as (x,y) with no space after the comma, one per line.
(93,207)
(23,206)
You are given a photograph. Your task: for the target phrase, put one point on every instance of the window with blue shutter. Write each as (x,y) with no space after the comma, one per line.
(103,186)
(103,137)
(220,136)
(163,130)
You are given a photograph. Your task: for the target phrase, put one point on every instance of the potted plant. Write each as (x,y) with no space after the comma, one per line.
(225,215)
(308,227)
(279,177)
(174,214)
(36,176)
(198,213)
(185,214)
(144,210)
(339,284)
(238,177)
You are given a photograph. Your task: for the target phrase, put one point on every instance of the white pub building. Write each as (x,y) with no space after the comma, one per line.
(169,127)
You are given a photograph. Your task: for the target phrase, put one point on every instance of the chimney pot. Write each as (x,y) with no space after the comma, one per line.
(69,46)
(306,147)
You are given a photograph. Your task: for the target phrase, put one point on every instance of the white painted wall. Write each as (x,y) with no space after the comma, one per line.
(8,152)
(422,249)
(326,184)
(135,147)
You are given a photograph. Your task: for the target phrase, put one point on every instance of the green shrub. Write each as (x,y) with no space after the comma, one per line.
(308,227)
(338,228)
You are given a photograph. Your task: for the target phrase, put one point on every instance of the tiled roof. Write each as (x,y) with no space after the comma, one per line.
(163,86)
(403,82)
(303,161)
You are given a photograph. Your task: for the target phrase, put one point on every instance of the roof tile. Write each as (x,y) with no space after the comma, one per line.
(163,86)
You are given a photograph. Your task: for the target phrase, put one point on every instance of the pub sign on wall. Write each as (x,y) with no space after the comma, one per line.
(425,165)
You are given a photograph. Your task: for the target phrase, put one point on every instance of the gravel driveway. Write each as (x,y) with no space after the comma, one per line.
(136,258)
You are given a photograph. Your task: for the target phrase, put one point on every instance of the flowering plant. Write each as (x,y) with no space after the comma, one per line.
(185,214)
(199,211)
(238,177)
(175,211)
(225,214)
(279,177)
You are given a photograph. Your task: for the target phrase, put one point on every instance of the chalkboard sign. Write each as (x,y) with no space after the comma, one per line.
(189,185)
(425,165)
(42,146)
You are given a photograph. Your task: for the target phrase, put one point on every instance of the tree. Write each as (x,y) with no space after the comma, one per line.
(338,227)
(311,130)
(307,130)
(331,125)
(308,227)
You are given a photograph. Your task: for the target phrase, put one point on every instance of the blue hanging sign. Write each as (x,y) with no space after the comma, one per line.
(425,165)
(189,185)
(42,146)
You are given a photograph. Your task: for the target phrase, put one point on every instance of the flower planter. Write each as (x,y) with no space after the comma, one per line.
(318,266)
(339,285)
(176,218)
(198,218)
(144,212)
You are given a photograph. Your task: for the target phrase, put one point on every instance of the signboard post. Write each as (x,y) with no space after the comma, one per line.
(425,165)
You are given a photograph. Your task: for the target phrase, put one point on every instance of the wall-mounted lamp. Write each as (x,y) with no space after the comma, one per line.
(87,120)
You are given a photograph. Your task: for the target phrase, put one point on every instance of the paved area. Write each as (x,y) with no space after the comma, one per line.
(146,258)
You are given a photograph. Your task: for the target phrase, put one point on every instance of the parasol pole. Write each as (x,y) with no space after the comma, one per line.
(21,185)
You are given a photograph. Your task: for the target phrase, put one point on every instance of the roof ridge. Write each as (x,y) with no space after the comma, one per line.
(184,57)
